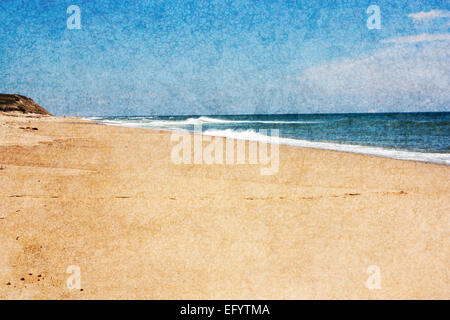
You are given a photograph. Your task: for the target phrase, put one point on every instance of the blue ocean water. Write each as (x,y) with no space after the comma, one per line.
(409,136)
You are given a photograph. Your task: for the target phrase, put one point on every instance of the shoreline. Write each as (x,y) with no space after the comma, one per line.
(400,154)
(110,201)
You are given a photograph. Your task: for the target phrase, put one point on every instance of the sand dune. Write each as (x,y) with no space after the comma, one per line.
(21,104)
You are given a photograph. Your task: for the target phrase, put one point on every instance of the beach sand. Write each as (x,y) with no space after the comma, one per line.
(110,201)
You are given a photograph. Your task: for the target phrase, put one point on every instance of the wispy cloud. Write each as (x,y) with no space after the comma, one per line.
(387,80)
(426,37)
(424,16)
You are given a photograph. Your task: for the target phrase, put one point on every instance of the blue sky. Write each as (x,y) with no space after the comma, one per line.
(147,57)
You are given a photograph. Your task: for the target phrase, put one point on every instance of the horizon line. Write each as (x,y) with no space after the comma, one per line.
(262,114)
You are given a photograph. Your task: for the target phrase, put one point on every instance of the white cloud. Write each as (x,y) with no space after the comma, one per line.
(426,37)
(429,15)
(399,78)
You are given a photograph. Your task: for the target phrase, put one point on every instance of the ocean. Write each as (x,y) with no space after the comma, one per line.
(408,136)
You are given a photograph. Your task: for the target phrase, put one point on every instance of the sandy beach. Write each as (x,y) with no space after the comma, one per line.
(111,201)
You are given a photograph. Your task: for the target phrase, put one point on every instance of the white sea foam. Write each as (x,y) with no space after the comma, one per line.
(215,120)
(143,122)
(438,158)
(124,123)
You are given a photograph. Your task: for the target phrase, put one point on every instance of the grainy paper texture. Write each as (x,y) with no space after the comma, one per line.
(224,149)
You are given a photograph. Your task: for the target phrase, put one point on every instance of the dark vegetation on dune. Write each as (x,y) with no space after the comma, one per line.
(18,103)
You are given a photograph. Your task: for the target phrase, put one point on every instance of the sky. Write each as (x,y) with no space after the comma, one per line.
(209,57)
